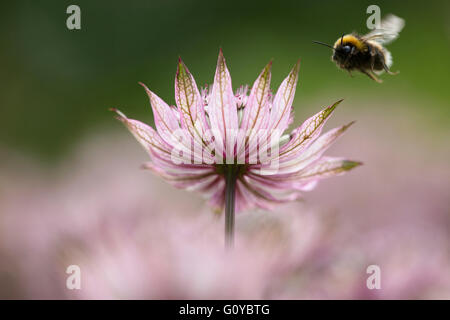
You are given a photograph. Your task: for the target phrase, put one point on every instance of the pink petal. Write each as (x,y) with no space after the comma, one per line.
(257,112)
(257,106)
(217,196)
(302,137)
(222,108)
(266,193)
(327,167)
(323,168)
(311,154)
(168,126)
(153,143)
(306,179)
(284,182)
(166,120)
(190,102)
(282,103)
(189,180)
(145,135)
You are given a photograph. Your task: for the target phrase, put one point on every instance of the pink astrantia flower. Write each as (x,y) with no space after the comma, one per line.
(231,147)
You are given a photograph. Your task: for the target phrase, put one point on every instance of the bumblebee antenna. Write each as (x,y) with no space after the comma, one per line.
(323,44)
(342,39)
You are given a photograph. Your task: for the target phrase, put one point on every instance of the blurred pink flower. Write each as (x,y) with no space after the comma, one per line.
(97,215)
(219,143)
(132,240)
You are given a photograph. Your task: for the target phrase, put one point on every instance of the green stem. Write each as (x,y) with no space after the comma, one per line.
(230,193)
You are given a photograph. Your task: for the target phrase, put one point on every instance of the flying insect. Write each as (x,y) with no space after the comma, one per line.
(367,54)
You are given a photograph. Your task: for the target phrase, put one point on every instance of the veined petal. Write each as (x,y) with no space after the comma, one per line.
(267,192)
(327,167)
(311,154)
(190,180)
(282,103)
(166,120)
(249,199)
(306,133)
(153,143)
(217,195)
(257,104)
(192,112)
(199,146)
(318,147)
(190,102)
(256,113)
(168,126)
(307,178)
(144,134)
(283,181)
(181,169)
(275,184)
(197,184)
(209,189)
(222,109)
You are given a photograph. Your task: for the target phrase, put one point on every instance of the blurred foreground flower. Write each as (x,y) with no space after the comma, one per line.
(231,146)
(93,210)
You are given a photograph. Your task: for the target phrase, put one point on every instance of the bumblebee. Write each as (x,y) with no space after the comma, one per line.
(366,53)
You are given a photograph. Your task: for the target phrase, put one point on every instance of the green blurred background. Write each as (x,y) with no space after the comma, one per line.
(58,84)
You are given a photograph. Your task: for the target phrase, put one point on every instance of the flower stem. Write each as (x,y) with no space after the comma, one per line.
(230,193)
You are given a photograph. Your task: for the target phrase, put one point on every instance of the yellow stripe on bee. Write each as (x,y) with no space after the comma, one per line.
(352,40)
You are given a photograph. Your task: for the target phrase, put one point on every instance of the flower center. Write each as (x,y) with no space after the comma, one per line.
(237,170)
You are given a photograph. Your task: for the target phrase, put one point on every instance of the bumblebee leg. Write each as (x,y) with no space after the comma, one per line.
(372,58)
(371,76)
(347,59)
(389,71)
(372,62)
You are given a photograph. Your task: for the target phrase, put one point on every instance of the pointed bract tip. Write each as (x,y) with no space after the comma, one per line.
(348,164)
(267,68)
(144,166)
(221,57)
(349,124)
(346,126)
(357,164)
(221,63)
(182,67)
(296,67)
(328,110)
(180,63)
(145,87)
(120,116)
(334,105)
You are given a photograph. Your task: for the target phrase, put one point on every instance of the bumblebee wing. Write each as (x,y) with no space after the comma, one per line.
(389,29)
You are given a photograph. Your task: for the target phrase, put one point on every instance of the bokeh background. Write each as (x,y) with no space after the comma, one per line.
(71,191)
